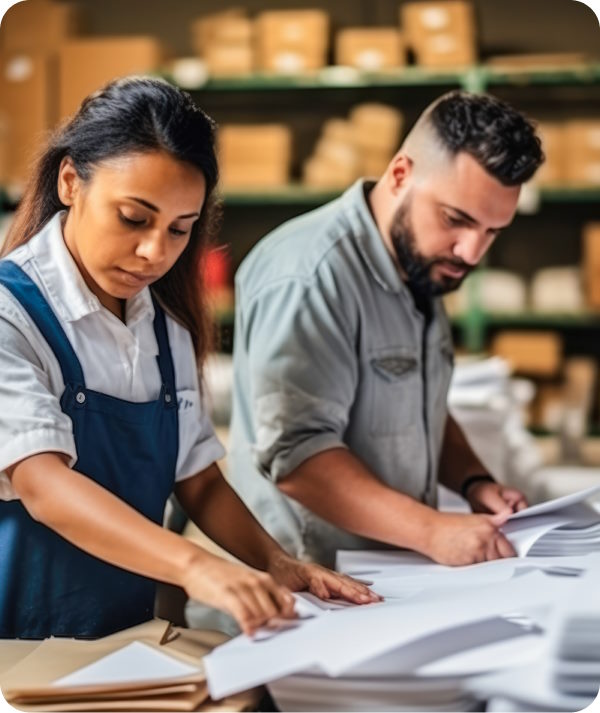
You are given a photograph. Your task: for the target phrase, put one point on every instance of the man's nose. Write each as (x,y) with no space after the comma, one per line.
(472,246)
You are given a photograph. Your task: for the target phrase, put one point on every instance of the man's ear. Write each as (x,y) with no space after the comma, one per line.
(399,171)
(69,182)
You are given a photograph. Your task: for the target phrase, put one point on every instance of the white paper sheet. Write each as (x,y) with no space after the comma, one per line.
(556,504)
(344,639)
(136,662)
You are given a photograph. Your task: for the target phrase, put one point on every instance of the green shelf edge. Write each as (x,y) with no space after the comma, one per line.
(475,78)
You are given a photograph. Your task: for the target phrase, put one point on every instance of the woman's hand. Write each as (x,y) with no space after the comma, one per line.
(323,583)
(252,597)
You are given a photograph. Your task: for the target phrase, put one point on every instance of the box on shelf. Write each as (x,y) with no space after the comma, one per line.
(225,60)
(370,49)
(582,150)
(255,156)
(225,41)
(378,127)
(591,264)
(87,64)
(441,34)
(38,26)
(204,30)
(27,95)
(446,50)
(552,172)
(292,41)
(530,352)
(319,172)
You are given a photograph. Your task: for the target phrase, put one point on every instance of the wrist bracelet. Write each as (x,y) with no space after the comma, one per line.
(479,478)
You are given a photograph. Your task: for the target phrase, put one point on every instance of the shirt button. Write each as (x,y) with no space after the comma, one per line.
(168,398)
(80,397)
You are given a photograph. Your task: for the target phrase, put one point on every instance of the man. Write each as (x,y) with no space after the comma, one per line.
(343,353)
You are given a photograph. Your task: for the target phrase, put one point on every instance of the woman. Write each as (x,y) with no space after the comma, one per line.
(101,411)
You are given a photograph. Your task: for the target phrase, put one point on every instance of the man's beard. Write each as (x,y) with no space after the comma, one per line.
(418,268)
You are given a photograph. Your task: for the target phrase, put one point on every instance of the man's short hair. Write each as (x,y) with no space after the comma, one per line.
(498,137)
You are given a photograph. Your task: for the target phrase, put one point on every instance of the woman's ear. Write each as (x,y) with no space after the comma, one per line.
(68,181)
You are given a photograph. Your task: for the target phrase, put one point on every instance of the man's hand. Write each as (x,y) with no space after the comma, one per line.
(457,539)
(495,498)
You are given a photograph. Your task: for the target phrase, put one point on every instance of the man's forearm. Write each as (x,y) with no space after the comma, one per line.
(457,460)
(339,488)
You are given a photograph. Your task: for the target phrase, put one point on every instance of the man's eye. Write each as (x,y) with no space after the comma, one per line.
(452,221)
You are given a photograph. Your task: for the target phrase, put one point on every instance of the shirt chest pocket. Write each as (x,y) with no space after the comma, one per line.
(395,393)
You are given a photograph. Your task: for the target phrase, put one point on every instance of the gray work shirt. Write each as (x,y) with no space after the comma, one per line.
(330,351)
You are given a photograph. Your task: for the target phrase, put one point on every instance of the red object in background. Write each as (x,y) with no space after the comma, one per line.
(217,269)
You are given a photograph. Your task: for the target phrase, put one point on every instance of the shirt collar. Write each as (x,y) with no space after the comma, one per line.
(70,295)
(369,240)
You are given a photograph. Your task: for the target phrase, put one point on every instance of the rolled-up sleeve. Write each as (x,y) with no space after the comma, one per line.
(303,371)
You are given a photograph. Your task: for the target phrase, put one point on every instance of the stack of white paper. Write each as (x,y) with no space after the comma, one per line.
(340,643)
(576,640)
(565,526)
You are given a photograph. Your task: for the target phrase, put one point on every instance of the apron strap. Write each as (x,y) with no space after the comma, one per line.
(24,289)
(164,358)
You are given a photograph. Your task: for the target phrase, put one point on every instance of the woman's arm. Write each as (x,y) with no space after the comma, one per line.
(100,523)
(218,511)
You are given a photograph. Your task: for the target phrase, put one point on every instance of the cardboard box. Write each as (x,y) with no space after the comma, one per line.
(239,143)
(27,95)
(370,49)
(422,19)
(441,34)
(591,264)
(446,50)
(205,29)
(378,127)
(318,172)
(4,144)
(228,60)
(254,176)
(38,26)
(552,172)
(292,41)
(582,152)
(85,65)
(293,28)
(530,352)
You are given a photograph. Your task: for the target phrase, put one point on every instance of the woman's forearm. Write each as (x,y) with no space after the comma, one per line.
(98,522)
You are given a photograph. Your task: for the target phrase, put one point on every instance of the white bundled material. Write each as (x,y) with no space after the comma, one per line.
(557,289)
(576,640)
(488,405)
(497,291)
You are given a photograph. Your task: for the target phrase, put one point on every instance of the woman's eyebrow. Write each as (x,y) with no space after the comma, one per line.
(152,207)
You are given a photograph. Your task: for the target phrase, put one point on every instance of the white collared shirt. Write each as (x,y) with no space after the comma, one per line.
(117,358)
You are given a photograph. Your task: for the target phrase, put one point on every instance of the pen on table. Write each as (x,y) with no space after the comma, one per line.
(169,634)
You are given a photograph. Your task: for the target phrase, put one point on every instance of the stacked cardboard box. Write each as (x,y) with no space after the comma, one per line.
(552,171)
(370,49)
(441,34)
(591,264)
(292,41)
(255,156)
(348,149)
(30,36)
(530,352)
(582,150)
(87,64)
(225,41)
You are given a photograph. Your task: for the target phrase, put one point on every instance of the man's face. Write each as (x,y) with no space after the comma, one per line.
(448,221)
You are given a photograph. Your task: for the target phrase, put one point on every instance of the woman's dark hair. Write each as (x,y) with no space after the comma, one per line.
(498,137)
(135,115)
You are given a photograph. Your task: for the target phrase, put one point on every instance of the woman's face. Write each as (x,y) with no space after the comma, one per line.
(129,223)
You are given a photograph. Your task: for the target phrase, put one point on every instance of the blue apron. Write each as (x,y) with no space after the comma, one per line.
(49,587)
